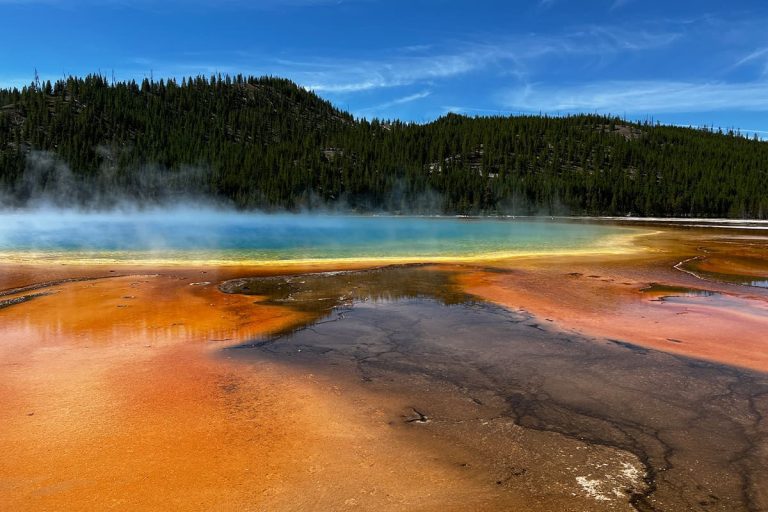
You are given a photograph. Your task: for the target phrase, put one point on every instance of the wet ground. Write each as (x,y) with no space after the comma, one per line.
(460,364)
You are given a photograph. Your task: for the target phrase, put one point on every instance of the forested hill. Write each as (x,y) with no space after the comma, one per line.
(267,143)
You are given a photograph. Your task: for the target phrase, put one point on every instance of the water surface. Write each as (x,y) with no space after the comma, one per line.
(218,236)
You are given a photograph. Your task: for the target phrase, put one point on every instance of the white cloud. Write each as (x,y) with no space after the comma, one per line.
(516,55)
(640,97)
(759,57)
(397,101)
(354,76)
(755,55)
(407,99)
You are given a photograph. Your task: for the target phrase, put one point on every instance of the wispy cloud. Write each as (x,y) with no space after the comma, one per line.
(640,97)
(759,57)
(398,101)
(354,76)
(757,54)
(515,56)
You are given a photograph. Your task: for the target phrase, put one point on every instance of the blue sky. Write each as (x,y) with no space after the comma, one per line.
(685,62)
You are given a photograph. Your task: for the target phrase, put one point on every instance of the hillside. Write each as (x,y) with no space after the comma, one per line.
(267,143)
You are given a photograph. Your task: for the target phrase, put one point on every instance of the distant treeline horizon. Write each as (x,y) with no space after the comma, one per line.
(266,143)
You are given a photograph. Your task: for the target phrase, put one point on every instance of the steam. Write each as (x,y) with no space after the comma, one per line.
(157,214)
(48,182)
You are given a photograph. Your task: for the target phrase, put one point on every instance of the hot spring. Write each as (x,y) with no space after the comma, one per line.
(221,237)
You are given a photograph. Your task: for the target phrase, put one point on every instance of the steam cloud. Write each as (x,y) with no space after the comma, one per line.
(48,182)
(155,210)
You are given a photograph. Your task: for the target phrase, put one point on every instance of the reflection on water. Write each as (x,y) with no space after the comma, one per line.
(685,296)
(142,310)
(663,291)
(746,270)
(733,278)
(322,293)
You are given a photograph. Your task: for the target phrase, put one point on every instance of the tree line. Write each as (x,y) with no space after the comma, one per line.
(267,143)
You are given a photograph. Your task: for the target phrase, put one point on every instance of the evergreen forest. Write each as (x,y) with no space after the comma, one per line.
(266,143)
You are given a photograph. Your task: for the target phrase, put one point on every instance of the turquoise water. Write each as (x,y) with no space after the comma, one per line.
(225,236)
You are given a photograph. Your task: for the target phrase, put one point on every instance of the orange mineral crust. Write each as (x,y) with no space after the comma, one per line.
(105,386)
(113,398)
(644,301)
